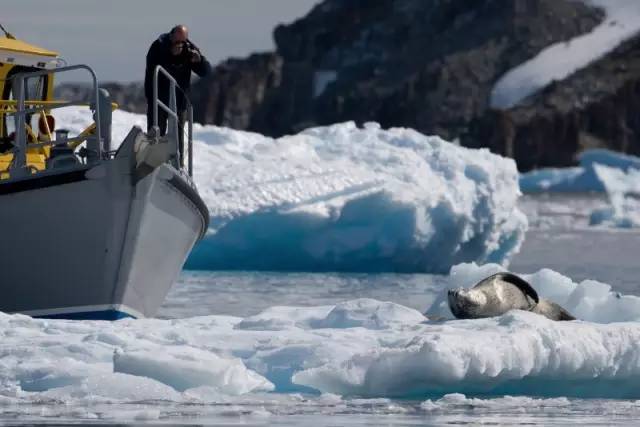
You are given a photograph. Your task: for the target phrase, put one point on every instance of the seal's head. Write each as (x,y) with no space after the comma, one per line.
(466,303)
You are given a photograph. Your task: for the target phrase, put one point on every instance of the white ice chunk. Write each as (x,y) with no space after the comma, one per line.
(183,368)
(344,198)
(623,191)
(356,348)
(370,314)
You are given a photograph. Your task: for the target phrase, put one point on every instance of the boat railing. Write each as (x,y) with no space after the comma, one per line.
(98,142)
(97,136)
(175,131)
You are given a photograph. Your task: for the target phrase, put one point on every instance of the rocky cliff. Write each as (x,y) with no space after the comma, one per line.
(431,65)
(597,107)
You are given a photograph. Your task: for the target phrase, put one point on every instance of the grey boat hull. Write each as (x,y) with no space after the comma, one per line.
(103,242)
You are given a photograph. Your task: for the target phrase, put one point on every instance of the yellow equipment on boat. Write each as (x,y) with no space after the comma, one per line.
(17,56)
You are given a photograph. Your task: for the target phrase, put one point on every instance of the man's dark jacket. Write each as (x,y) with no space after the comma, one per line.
(179,66)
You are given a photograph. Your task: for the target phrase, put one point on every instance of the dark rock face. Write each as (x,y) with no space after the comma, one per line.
(597,107)
(429,65)
(234,94)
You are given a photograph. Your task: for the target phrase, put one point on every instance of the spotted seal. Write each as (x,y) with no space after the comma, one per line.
(498,294)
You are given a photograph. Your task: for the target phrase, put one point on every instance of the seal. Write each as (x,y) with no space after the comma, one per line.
(498,294)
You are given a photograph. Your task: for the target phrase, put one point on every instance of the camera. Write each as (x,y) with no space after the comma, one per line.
(193,52)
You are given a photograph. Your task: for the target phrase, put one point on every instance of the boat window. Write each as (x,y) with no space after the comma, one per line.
(36,89)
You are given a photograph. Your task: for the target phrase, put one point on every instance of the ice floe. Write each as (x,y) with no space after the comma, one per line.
(357,348)
(345,198)
(623,191)
(615,174)
(582,178)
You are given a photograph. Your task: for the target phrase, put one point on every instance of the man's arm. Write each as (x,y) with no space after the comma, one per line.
(199,63)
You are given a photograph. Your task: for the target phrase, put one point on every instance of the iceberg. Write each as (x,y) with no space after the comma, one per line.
(623,191)
(343,198)
(582,178)
(346,198)
(603,171)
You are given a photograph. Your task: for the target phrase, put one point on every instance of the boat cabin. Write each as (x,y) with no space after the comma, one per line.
(17,56)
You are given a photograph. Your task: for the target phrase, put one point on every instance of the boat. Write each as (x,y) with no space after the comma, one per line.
(90,229)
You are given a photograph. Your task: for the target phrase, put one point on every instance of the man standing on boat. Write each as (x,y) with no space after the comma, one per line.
(176,54)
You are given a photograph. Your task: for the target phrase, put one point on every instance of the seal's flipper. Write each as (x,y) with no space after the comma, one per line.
(552,311)
(516,281)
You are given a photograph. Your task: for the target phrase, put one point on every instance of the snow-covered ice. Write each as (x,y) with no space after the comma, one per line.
(581,178)
(343,198)
(623,191)
(560,60)
(615,174)
(357,348)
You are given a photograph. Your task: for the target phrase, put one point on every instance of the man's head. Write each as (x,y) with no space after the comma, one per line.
(178,37)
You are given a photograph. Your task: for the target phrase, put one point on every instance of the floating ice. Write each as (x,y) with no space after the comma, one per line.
(606,171)
(567,180)
(588,300)
(623,191)
(361,347)
(183,368)
(578,179)
(455,401)
(559,60)
(343,198)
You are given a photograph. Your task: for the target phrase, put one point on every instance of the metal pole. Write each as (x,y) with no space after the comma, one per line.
(190,147)
(173,126)
(156,129)
(20,154)
(96,97)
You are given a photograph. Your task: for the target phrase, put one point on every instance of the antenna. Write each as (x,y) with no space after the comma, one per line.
(7,33)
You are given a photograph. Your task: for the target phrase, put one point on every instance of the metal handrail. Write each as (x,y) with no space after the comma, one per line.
(172,111)
(19,165)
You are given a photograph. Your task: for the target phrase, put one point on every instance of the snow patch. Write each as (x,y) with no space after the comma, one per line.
(560,60)
(321,80)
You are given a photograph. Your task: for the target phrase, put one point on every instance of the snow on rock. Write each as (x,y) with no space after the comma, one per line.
(559,60)
(343,198)
(356,348)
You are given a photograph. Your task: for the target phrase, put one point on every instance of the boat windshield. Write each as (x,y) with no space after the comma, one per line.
(36,90)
